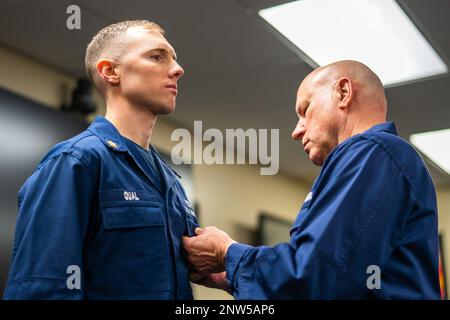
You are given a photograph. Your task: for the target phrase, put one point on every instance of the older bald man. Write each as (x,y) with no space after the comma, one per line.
(367,229)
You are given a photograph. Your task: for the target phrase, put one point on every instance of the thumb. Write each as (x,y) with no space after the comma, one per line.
(186,241)
(198,231)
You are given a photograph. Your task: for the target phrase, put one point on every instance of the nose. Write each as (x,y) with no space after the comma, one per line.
(299,130)
(176,71)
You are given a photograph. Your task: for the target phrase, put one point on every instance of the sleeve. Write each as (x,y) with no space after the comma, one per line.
(353,219)
(54,207)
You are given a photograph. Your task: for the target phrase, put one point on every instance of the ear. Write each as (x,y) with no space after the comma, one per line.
(108,71)
(344,92)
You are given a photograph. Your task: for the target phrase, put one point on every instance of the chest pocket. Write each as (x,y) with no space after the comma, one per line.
(137,259)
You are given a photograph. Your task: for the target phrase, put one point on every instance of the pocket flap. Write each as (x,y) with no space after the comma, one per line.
(131,217)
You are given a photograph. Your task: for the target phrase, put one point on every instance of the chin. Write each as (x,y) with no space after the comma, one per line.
(317,162)
(316,159)
(165,109)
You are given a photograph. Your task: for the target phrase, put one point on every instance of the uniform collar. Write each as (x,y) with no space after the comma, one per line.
(388,126)
(109,135)
(163,162)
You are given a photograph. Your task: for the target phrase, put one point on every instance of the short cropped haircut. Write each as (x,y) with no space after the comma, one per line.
(105,39)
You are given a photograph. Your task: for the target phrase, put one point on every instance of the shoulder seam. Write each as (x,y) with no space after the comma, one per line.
(75,155)
(70,150)
(397,165)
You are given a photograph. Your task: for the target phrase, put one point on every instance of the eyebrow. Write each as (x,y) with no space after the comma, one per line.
(163,51)
(303,105)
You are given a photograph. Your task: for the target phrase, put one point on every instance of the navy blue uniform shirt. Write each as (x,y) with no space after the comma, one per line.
(372,206)
(92,205)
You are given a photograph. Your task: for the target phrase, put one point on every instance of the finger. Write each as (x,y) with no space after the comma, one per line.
(186,242)
(198,231)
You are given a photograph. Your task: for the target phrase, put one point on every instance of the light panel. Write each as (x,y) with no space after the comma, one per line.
(375,32)
(435,145)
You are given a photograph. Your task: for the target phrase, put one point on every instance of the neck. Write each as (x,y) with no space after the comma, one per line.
(133,123)
(357,126)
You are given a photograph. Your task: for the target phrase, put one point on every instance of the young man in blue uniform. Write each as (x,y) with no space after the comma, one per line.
(103,215)
(368,228)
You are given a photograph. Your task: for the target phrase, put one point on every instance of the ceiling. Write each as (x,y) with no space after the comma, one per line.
(239,74)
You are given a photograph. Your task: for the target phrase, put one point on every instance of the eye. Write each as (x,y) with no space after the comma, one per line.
(156,57)
(306,110)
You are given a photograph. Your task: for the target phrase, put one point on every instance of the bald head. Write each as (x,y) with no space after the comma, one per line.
(368,90)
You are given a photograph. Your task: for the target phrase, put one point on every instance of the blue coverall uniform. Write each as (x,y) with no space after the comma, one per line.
(92,204)
(373,204)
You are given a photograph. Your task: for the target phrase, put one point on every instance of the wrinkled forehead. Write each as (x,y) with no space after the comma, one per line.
(302,95)
(304,88)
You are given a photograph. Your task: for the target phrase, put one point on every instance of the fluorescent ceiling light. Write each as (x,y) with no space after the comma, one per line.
(375,32)
(435,145)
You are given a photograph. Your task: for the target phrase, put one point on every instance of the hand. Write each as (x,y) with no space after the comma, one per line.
(211,280)
(208,249)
